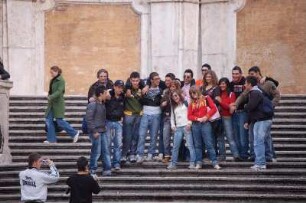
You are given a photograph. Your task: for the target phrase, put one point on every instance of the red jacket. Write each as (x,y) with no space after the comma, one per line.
(226,100)
(198,108)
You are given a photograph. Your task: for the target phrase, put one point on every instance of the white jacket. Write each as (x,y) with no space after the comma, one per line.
(34,182)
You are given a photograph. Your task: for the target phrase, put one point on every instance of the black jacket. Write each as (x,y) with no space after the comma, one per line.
(114,107)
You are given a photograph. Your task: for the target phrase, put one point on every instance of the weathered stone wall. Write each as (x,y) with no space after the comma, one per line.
(82,38)
(272,35)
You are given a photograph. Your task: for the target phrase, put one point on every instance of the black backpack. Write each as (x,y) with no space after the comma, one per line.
(267,106)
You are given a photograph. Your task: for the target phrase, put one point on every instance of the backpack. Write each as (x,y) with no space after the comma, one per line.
(266,105)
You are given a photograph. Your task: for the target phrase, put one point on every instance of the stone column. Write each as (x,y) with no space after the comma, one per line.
(218,34)
(5,155)
(174,36)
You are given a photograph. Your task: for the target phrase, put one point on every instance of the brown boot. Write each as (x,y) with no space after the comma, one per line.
(166,159)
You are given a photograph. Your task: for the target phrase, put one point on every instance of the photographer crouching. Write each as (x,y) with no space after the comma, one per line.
(34,182)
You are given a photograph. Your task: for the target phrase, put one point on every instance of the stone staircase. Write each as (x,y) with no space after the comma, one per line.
(283,181)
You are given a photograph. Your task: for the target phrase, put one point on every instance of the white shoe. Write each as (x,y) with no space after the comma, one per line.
(159,157)
(198,166)
(76,137)
(192,166)
(46,142)
(217,167)
(139,159)
(149,157)
(132,158)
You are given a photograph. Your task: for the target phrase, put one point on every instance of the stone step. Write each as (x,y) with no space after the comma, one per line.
(177,187)
(43,108)
(84,138)
(13,146)
(173,195)
(34,97)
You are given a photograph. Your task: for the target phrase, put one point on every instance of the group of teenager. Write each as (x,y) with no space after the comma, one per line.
(120,115)
(199,114)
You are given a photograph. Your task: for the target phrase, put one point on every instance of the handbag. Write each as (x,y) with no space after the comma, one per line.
(215,116)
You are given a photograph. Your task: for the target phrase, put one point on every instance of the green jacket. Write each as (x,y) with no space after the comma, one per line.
(56,102)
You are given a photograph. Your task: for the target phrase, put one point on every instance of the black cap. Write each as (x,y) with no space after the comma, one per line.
(119,83)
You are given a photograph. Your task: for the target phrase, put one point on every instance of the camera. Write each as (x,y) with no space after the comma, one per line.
(44,162)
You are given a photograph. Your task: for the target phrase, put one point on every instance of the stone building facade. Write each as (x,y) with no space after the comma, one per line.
(82,36)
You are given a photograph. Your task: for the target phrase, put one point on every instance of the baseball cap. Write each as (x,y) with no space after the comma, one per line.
(119,83)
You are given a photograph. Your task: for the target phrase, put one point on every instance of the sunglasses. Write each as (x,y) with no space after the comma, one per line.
(187,76)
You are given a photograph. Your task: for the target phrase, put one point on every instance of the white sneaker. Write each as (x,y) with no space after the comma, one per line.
(76,137)
(198,166)
(149,157)
(171,167)
(46,142)
(132,158)
(217,167)
(191,166)
(139,159)
(159,157)
(258,167)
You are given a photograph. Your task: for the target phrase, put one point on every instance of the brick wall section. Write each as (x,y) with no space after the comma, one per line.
(81,39)
(272,35)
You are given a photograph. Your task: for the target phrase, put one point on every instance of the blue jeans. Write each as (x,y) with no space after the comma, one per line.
(260,130)
(202,134)
(228,131)
(130,134)
(167,136)
(114,135)
(177,140)
(99,146)
(241,135)
(51,134)
(152,123)
(269,149)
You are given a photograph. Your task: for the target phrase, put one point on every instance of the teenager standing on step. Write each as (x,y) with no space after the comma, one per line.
(96,122)
(114,117)
(260,121)
(34,182)
(150,119)
(82,184)
(181,127)
(199,114)
(56,107)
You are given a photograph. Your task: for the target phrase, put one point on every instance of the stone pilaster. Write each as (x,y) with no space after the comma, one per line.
(174,36)
(218,34)
(5,155)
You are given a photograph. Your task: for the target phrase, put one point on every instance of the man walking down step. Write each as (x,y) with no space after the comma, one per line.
(34,182)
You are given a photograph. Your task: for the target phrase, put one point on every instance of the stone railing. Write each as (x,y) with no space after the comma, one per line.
(5,155)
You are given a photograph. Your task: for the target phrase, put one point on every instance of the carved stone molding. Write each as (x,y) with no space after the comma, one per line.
(238,5)
(45,5)
(178,1)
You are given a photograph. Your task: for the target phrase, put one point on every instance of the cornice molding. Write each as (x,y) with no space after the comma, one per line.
(174,1)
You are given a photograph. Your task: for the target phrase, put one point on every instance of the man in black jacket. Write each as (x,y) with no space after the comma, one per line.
(259,119)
